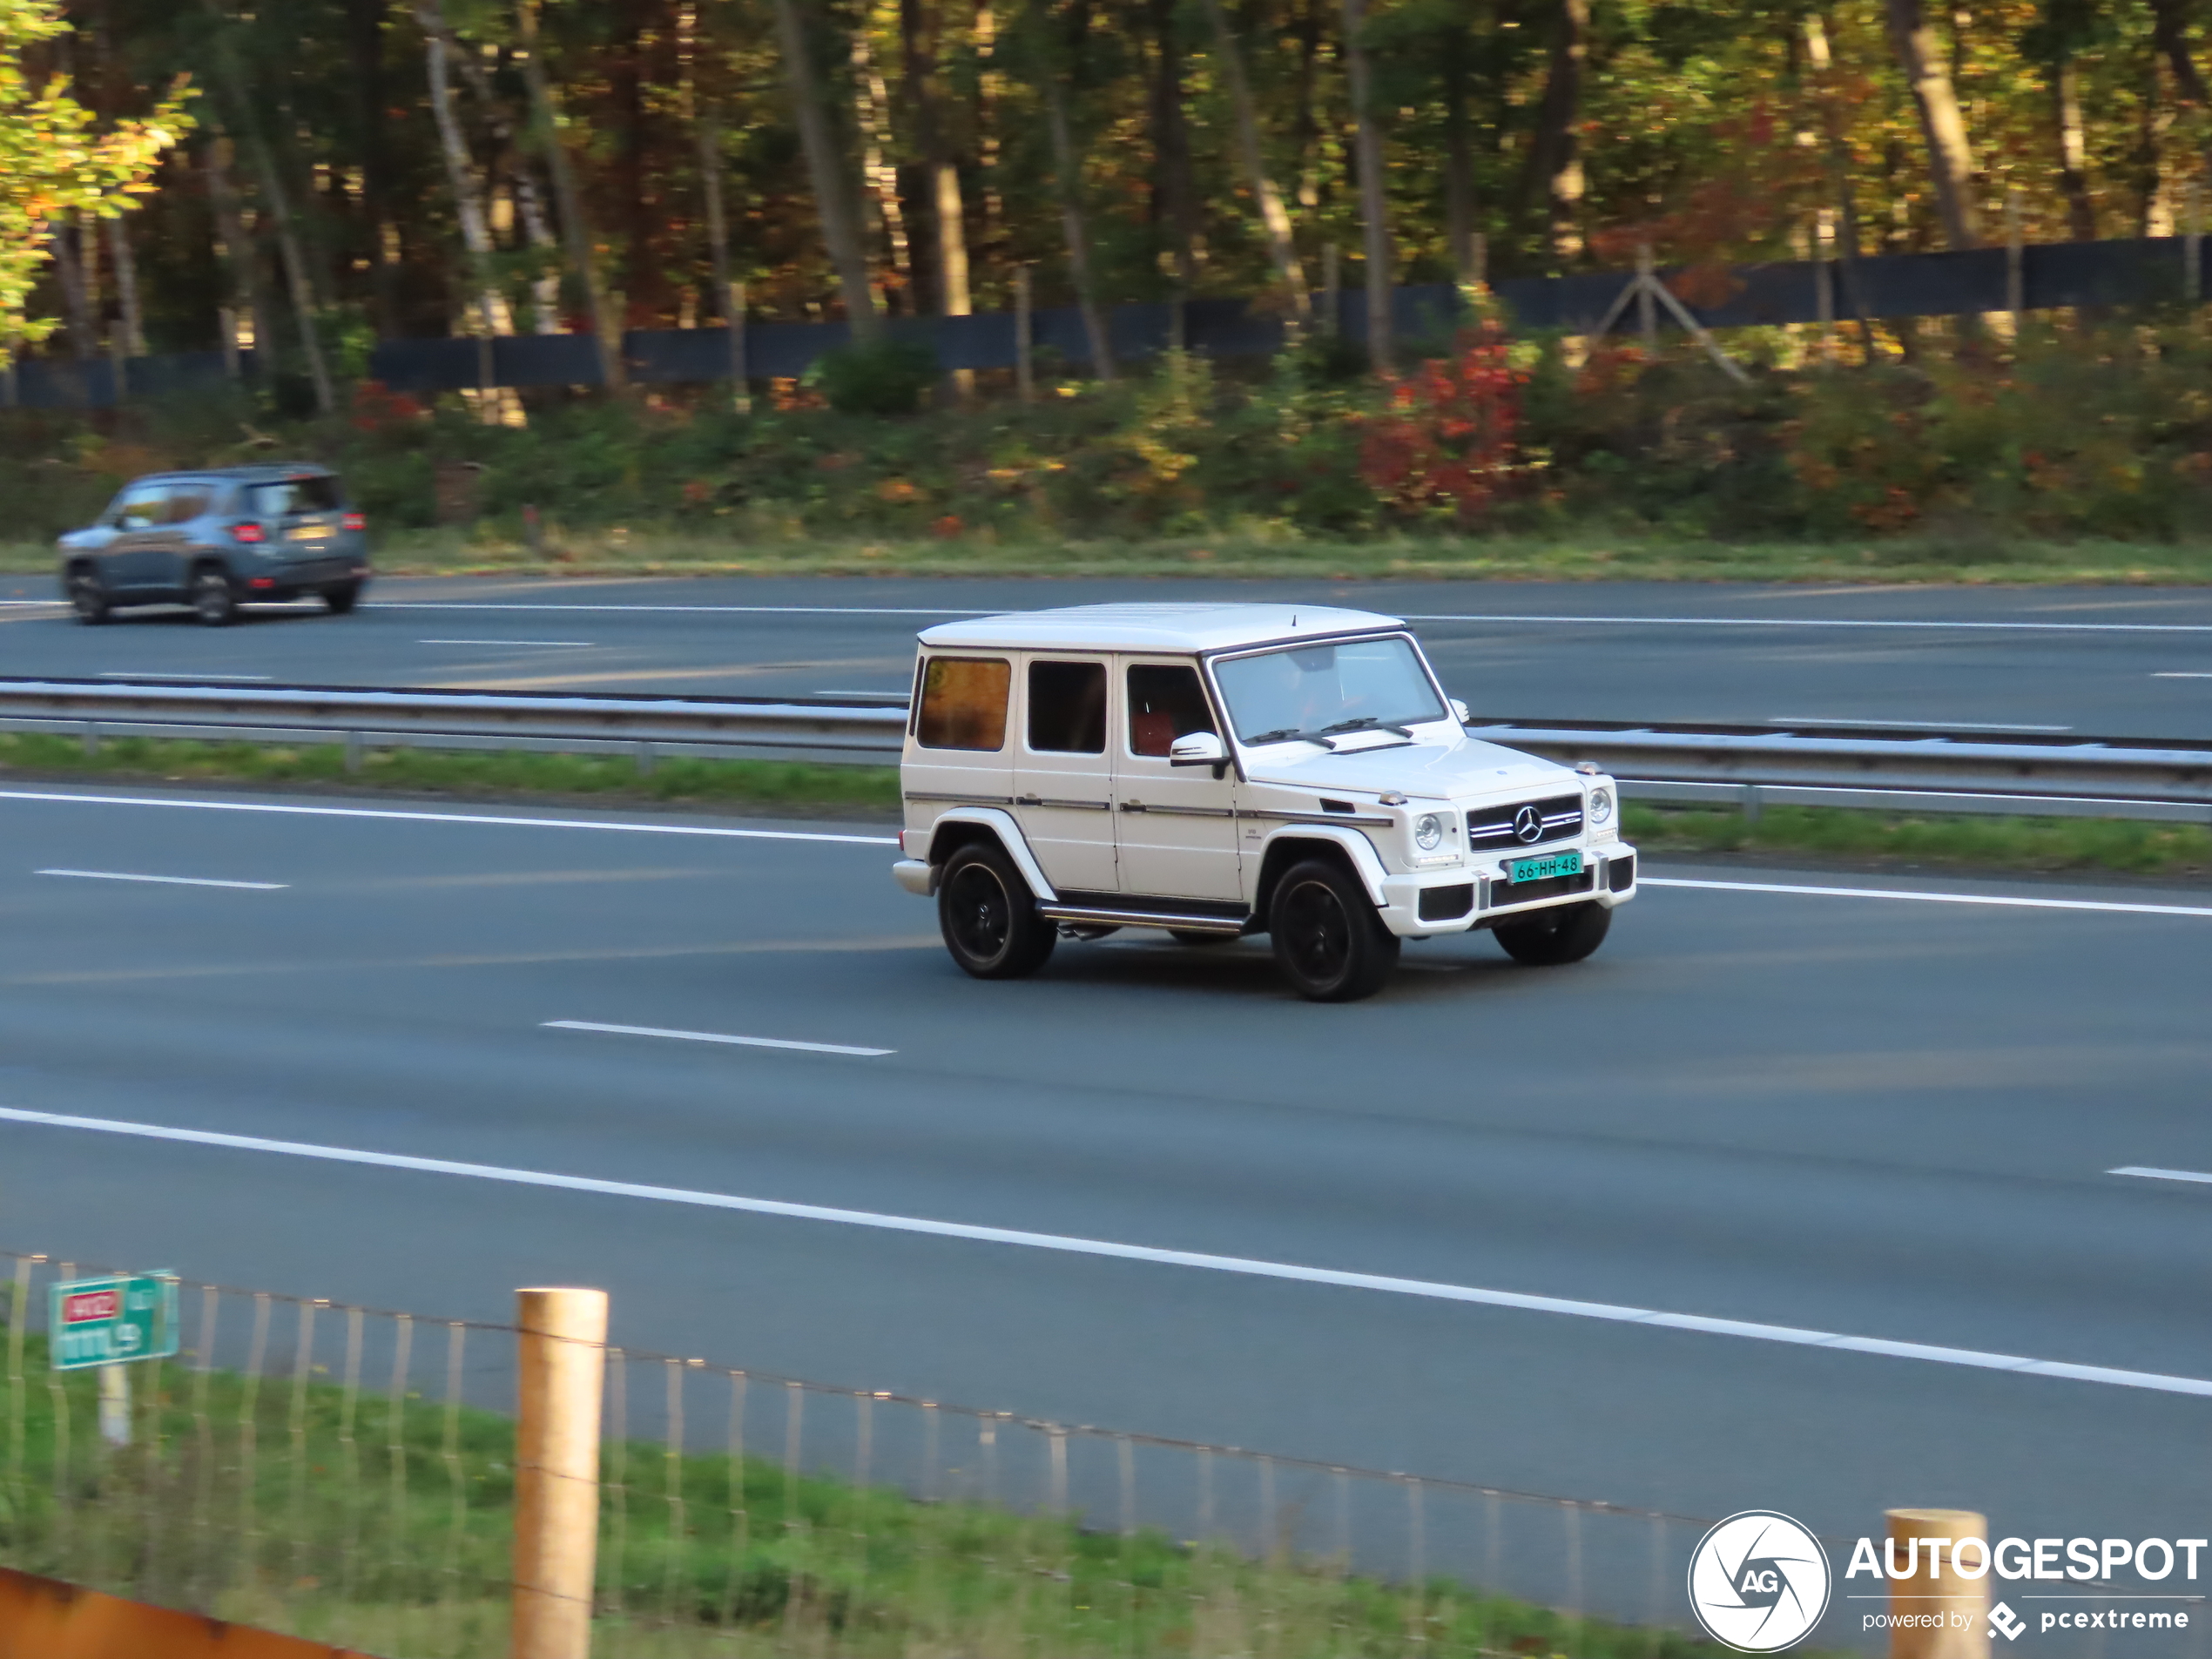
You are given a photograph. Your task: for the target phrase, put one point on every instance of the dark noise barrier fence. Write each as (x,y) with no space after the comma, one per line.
(1886,287)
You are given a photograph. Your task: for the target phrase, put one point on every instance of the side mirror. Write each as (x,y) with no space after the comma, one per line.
(1459,712)
(1197,749)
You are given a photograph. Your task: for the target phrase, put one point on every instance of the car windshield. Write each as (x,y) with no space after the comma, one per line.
(1315,691)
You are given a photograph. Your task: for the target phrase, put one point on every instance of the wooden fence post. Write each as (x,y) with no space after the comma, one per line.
(562,1358)
(1928,1539)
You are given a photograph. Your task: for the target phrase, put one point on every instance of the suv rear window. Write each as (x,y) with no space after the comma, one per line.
(314,493)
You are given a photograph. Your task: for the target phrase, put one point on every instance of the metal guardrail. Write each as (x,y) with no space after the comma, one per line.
(1744,765)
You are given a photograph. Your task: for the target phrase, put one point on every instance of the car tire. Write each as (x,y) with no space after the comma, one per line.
(988,916)
(1329,942)
(1564,934)
(1199,936)
(339,601)
(212,598)
(88,598)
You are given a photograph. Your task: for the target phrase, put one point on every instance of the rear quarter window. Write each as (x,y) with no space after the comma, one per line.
(963,703)
(317,494)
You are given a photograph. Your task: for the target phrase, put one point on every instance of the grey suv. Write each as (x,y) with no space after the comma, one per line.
(214,539)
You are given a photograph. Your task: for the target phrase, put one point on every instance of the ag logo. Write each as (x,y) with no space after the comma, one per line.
(1759,1582)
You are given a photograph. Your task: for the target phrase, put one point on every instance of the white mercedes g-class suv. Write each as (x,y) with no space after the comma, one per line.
(1218,769)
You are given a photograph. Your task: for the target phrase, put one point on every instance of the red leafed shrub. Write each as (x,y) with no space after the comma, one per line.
(376,407)
(1445,439)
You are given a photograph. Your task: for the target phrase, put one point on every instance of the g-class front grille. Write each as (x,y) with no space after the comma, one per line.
(1499,829)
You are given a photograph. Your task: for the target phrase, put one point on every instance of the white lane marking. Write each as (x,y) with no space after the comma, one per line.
(585,644)
(146,674)
(2007,901)
(171,881)
(1831,622)
(711,1036)
(1911,725)
(2181,675)
(451,817)
(1245,1266)
(760,610)
(2148,1174)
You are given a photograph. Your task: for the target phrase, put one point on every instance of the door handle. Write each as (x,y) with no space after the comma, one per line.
(1132,806)
(1027,800)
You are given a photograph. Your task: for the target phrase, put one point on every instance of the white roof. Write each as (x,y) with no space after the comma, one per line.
(1151,627)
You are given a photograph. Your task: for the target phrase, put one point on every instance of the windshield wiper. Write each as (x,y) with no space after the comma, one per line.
(1365,722)
(1284,734)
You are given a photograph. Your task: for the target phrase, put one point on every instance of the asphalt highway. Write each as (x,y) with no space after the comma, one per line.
(1765,1101)
(2104,662)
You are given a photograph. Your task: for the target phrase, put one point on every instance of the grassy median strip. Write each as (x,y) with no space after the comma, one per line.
(776,785)
(1955,841)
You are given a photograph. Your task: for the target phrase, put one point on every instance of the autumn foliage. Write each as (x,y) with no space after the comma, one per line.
(1444,441)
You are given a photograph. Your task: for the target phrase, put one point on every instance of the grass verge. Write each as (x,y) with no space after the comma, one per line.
(781,786)
(790,787)
(1582,555)
(379,1518)
(2054,845)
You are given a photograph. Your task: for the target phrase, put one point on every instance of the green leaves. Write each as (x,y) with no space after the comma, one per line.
(54,164)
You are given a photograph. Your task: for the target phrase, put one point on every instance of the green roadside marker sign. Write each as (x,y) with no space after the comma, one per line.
(104,1321)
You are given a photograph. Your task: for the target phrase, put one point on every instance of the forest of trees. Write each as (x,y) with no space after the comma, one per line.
(393,168)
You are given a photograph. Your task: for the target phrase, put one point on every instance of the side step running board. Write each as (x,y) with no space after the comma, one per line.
(1094,918)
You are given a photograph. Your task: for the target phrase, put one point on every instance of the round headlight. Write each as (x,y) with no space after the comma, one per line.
(1428,832)
(1600,805)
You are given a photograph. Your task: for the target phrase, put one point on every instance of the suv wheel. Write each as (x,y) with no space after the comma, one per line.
(212,598)
(88,598)
(339,600)
(1565,934)
(1329,942)
(989,917)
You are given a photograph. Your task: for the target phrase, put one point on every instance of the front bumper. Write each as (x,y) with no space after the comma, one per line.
(1457,901)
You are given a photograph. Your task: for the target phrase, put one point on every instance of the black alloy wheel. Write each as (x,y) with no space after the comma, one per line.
(989,917)
(1329,942)
(88,598)
(213,601)
(1551,938)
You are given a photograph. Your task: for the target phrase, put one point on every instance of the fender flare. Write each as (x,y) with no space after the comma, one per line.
(1366,863)
(1001,824)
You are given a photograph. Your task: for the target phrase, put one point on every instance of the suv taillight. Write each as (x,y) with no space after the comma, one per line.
(248,531)
(355,521)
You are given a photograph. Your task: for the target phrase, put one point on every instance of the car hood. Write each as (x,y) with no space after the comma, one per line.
(1422,769)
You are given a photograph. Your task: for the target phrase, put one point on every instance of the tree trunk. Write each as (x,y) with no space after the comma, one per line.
(1273,217)
(2073,155)
(1373,203)
(365,24)
(66,239)
(921,22)
(493,316)
(872,114)
(1458,159)
(1554,159)
(1951,167)
(128,318)
(825,170)
(1174,208)
(989,84)
(574,229)
(2169,31)
(1832,122)
(1067,170)
(248,296)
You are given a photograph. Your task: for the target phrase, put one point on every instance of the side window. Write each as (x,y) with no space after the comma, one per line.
(140,507)
(1164,703)
(1067,708)
(963,703)
(183,503)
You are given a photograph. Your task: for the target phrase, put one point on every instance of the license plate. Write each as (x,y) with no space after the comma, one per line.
(311,532)
(1543,869)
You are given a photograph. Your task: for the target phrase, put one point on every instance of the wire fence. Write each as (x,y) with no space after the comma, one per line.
(346,1474)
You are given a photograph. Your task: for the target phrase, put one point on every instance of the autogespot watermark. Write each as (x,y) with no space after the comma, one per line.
(2081,1560)
(1759,1582)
